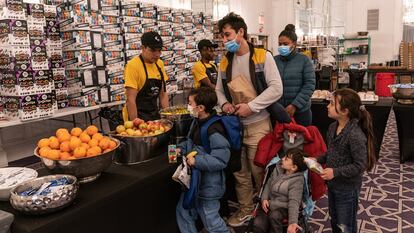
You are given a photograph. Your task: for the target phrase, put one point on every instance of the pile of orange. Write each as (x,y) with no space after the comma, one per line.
(75,144)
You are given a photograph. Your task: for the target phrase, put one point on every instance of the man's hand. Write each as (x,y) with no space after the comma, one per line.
(291,109)
(293,228)
(327,174)
(243,110)
(265,206)
(228,108)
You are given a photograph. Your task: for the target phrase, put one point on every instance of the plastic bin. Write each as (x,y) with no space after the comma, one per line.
(382,82)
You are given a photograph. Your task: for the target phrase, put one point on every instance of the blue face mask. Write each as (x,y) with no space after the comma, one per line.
(232,46)
(284,50)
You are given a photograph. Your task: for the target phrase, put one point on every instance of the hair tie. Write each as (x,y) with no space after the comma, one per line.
(362,108)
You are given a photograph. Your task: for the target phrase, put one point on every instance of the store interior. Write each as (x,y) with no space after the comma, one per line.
(62,67)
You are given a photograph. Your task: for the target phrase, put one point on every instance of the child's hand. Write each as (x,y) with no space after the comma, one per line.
(265,205)
(178,151)
(327,174)
(293,228)
(191,161)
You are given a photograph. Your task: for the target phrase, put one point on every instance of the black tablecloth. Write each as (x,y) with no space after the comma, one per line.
(138,198)
(379,113)
(404,114)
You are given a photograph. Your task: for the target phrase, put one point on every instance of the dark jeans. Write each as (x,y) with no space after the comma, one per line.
(271,222)
(303,118)
(343,207)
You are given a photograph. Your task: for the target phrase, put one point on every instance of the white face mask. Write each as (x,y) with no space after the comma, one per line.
(191,110)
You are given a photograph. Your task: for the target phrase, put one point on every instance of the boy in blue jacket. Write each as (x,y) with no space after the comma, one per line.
(211,165)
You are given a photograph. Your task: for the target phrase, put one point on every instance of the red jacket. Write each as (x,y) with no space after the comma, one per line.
(314,146)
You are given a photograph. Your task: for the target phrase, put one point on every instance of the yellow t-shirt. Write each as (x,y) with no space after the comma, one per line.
(200,72)
(134,75)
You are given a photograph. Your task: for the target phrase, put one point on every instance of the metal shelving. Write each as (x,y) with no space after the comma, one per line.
(341,43)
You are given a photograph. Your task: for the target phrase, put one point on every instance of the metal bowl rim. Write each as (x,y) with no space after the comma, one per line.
(13,191)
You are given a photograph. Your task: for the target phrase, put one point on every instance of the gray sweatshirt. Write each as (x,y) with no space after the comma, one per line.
(285,191)
(347,155)
(270,95)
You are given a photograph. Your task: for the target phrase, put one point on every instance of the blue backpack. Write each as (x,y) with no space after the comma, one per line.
(234,132)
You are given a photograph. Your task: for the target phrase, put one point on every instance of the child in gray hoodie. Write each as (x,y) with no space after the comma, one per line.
(282,195)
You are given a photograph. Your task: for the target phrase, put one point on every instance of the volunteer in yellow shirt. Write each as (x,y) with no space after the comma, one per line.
(204,71)
(145,81)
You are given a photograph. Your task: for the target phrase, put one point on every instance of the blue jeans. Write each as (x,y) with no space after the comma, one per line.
(208,210)
(303,118)
(343,207)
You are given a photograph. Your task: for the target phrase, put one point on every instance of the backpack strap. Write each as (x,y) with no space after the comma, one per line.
(204,133)
(258,85)
(231,124)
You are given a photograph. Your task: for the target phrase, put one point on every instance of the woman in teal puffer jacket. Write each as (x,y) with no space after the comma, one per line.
(298,77)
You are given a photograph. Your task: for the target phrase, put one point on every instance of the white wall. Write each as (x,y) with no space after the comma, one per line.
(277,13)
(282,13)
(386,40)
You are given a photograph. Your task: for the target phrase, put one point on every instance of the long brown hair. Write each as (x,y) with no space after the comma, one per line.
(350,100)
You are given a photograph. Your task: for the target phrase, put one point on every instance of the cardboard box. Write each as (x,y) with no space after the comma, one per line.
(39,58)
(116,92)
(81,37)
(78,59)
(85,101)
(36,12)
(116,78)
(101,76)
(45,105)
(60,97)
(97,40)
(42,81)
(55,57)
(74,89)
(59,78)
(14,32)
(22,57)
(17,83)
(103,94)
(36,34)
(50,12)
(23,108)
(53,35)
(12,9)
(89,78)
(6,58)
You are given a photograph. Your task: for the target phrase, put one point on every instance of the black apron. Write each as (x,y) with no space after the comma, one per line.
(146,101)
(211,74)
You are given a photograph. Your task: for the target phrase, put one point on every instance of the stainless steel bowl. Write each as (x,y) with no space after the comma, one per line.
(404,95)
(85,169)
(37,204)
(135,149)
(182,122)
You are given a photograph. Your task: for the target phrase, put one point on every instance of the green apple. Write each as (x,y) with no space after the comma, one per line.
(129,124)
(120,129)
